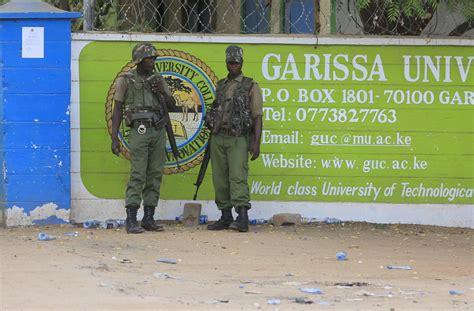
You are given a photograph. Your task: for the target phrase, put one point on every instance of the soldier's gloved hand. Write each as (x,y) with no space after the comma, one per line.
(115,147)
(254,151)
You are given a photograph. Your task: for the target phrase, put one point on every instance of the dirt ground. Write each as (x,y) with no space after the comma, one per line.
(110,270)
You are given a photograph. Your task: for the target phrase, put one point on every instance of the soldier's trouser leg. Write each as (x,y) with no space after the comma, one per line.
(229,159)
(220,169)
(154,172)
(138,146)
(238,172)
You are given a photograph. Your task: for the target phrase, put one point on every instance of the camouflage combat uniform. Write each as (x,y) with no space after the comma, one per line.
(231,120)
(148,150)
(142,96)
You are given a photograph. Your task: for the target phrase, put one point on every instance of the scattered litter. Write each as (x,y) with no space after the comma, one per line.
(259,221)
(114,258)
(311,290)
(308,220)
(203,219)
(253,292)
(303,300)
(120,222)
(75,233)
(399,267)
(323,303)
(179,218)
(163,275)
(273,301)
(241,286)
(125,260)
(102,267)
(455,292)
(289,274)
(102,284)
(365,293)
(331,220)
(167,260)
(341,256)
(351,284)
(90,224)
(213,301)
(354,299)
(109,224)
(247,282)
(45,237)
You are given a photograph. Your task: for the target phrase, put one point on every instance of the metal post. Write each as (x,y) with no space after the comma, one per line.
(325,17)
(275,16)
(88,23)
(228,16)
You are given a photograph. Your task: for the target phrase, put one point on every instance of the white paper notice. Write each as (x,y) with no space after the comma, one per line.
(32,42)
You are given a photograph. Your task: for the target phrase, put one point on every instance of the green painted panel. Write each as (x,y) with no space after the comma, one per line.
(348,123)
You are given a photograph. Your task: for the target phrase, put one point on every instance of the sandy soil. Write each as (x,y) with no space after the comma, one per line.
(229,270)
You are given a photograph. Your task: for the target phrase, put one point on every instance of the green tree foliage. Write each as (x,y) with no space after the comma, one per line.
(407,17)
(69,5)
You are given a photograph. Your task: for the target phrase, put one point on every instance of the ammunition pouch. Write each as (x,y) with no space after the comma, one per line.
(144,117)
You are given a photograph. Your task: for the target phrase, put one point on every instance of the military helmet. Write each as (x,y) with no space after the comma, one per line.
(141,51)
(234,53)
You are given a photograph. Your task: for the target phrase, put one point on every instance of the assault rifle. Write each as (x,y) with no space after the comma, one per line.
(168,126)
(170,133)
(203,168)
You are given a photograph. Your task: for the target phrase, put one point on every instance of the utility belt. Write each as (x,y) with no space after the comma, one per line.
(228,132)
(143,120)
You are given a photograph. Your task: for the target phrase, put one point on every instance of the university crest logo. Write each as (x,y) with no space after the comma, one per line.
(192,84)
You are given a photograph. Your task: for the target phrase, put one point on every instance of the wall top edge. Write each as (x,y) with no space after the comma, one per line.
(38,15)
(269,39)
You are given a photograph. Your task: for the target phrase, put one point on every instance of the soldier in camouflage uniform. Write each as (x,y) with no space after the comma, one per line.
(141,93)
(235,120)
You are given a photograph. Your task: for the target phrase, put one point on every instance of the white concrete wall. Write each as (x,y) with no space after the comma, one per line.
(86,206)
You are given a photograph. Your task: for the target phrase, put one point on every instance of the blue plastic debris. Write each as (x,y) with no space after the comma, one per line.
(203,219)
(455,292)
(399,267)
(90,224)
(331,220)
(167,260)
(273,301)
(341,256)
(259,221)
(311,290)
(45,237)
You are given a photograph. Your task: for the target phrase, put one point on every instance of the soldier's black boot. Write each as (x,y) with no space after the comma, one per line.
(131,223)
(224,222)
(148,221)
(241,223)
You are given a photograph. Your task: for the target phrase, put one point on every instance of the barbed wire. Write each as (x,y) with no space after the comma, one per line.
(208,16)
(317,17)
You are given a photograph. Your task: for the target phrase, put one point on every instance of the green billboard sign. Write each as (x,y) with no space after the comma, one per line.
(342,123)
